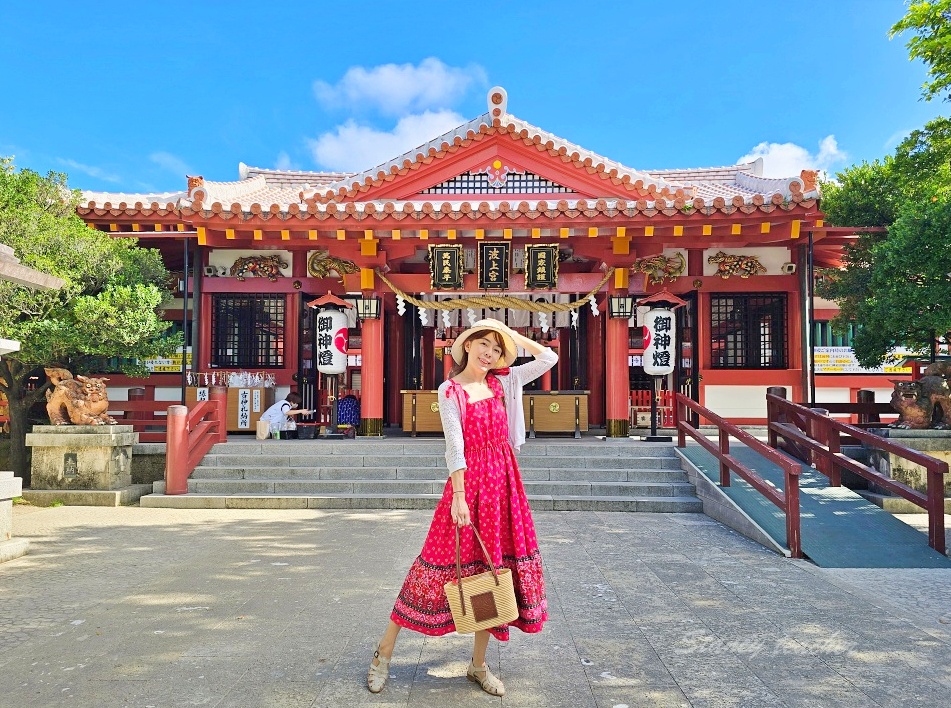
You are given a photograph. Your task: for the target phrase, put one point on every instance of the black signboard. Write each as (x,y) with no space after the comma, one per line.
(541,266)
(445,266)
(494,265)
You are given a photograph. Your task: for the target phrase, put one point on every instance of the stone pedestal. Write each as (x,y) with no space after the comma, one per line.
(10,488)
(934,443)
(81,457)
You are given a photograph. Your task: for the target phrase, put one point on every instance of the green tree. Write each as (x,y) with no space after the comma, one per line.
(109,306)
(897,287)
(893,284)
(930,25)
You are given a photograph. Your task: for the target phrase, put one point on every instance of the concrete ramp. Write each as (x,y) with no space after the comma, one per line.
(840,529)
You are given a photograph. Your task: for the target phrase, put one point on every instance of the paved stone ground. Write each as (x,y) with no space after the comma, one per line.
(166,608)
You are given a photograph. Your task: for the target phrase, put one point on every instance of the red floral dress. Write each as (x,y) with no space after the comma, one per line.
(499,509)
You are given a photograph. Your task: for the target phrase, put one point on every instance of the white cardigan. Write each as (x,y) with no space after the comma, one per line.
(512,385)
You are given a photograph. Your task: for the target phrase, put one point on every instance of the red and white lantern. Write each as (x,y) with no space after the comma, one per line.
(332,334)
(660,342)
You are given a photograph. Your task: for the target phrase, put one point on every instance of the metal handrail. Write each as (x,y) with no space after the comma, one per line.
(787,500)
(821,436)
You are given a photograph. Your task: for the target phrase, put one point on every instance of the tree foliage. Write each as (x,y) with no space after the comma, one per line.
(895,286)
(107,308)
(930,25)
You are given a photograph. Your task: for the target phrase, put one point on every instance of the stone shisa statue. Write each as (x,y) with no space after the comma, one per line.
(80,401)
(916,401)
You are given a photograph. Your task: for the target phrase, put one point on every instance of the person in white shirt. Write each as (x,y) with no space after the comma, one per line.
(282,412)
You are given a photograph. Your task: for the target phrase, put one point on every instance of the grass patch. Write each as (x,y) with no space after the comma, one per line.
(20,501)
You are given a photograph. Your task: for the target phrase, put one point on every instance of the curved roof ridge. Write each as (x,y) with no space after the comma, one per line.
(131,197)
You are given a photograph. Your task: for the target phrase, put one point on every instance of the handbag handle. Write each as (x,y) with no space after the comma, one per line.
(495,574)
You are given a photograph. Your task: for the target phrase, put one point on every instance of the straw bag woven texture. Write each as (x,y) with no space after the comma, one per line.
(481,601)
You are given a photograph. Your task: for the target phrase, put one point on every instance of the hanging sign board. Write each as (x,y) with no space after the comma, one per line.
(445,267)
(541,266)
(494,265)
(331,341)
(660,341)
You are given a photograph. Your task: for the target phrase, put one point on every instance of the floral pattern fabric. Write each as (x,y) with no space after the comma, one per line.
(499,509)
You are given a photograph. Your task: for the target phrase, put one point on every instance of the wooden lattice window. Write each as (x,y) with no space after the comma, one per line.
(749,331)
(247,331)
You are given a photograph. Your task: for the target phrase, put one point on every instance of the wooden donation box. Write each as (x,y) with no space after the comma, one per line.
(545,412)
(245,405)
(421,412)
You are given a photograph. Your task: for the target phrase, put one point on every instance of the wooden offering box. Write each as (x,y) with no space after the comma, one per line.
(555,412)
(245,405)
(421,412)
(545,412)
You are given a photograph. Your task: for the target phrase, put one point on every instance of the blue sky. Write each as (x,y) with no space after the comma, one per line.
(129,97)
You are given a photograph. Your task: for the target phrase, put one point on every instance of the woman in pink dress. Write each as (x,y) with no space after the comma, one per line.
(481,409)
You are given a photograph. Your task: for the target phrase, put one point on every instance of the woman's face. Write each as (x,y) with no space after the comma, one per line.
(484,352)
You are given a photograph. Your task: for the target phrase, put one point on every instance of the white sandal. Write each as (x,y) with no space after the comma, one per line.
(377,676)
(486,679)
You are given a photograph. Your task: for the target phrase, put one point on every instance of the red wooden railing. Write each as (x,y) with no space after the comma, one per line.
(641,403)
(816,438)
(191,433)
(787,499)
(148,418)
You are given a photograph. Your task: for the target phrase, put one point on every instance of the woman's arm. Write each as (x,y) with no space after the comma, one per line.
(545,358)
(449,414)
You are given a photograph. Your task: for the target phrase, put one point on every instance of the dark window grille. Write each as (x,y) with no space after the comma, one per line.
(519,183)
(749,331)
(247,331)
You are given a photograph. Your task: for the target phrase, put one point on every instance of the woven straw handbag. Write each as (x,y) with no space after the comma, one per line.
(481,601)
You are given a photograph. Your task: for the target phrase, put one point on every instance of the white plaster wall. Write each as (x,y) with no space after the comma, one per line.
(771,259)
(736,401)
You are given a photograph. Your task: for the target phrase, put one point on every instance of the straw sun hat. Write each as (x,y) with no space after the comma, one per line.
(508,344)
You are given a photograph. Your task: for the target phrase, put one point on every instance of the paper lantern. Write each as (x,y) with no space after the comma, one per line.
(660,342)
(331,341)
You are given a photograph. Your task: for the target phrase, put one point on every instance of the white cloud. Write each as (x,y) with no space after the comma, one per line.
(789,159)
(90,170)
(395,89)
(284,162)
(355,148)
(171,163)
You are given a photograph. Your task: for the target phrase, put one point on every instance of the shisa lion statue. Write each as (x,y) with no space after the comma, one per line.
(80,401)
(917,401)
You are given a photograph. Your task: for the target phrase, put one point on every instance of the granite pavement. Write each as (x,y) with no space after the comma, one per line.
(157,608)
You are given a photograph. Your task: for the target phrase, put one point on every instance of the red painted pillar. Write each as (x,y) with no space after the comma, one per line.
(447,363)
(546,381)
(616,380)
(176,451)
(371,376)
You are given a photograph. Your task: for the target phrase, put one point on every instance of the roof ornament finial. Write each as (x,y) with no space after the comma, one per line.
(498,101)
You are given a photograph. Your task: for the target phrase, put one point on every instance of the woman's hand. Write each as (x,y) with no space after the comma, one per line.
(459,511)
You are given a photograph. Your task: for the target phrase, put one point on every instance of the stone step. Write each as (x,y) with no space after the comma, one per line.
(436,448)
(433,474)
(684,504)
(423,487)
(435,462)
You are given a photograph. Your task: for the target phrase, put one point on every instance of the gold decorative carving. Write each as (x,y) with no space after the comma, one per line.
(554,408)
(322,265)
(743,266)
(660,268)
(434,407)
(259,266)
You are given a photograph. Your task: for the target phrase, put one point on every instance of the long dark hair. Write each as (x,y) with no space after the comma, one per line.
(458,368)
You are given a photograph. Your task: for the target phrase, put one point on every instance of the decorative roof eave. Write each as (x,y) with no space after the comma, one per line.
(471,211)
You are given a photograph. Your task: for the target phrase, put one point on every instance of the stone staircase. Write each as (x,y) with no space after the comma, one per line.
(410,473)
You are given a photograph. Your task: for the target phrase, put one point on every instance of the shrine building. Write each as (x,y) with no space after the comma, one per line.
(496,218)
